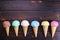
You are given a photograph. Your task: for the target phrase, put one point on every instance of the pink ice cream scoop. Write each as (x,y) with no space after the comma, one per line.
(54,24)
(6,24)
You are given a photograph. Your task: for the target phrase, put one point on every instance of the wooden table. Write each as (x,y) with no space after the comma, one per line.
(20,9)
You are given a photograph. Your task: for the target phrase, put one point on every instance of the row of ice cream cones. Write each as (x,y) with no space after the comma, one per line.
(35,24)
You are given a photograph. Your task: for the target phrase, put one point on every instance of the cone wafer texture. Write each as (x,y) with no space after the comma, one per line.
(7,30)
(45,29)
(16,29)
(53,29)
(25,29)
(35,31)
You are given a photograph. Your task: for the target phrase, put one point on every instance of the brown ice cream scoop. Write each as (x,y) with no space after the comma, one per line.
(6,24)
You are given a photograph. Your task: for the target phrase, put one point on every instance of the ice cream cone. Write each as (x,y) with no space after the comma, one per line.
(35,24)
(7,30)
(25,24)
(16,30)
(35,29)
(45,25)
(53,31)
(54,25)
(45,29)
(16,24)
(25,30)
(6,25)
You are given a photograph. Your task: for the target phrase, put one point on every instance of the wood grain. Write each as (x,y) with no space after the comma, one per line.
(24,9)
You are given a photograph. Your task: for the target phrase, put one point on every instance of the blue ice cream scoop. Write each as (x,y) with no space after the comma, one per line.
(15,23)
(35,24)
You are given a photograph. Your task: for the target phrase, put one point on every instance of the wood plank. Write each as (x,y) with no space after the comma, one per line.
(26,5)
(35,0)
(43,15)
(19,5)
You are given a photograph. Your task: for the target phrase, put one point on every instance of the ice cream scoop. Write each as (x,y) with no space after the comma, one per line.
(25,25)
(54,25)
(35,25)
(6,25)
(16,24)
(45,25)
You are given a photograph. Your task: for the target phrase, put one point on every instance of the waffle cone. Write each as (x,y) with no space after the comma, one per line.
(53,29)
(35,29)
(16,30)
(45,29)
(25,30)
(7,30)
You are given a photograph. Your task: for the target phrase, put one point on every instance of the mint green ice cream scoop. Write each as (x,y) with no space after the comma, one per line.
(15,23)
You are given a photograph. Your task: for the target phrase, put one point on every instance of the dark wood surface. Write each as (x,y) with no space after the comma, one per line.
(24,9)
